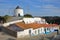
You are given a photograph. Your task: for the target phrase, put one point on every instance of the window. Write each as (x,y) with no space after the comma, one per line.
(45,30)
(30,31)
(38,31)
(48,29)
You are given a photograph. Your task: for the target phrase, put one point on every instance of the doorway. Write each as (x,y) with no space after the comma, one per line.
(18,15)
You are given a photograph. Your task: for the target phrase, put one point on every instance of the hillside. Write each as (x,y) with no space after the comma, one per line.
(52,19)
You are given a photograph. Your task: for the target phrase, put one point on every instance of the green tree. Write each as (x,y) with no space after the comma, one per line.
(6,18)
(28,15)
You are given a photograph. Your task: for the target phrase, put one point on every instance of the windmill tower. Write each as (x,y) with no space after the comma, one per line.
(18,11)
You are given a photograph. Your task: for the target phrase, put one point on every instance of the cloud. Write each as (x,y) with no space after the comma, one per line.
(53,0)
(45,6)
(50,6)
(38,6)
(48,10)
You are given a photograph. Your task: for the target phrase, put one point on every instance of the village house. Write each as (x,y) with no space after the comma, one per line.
(29,26)
(35,29)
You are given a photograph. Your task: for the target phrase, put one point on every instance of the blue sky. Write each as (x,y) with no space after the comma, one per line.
(34,7)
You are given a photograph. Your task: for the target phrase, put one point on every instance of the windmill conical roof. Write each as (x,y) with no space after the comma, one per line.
(18,7)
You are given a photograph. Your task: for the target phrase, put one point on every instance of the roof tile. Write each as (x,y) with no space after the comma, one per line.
(34,25)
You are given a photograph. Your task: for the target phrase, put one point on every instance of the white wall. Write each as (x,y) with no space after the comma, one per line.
(19,11)
(20,34)
(41,30)
(7,24)
(24,33)
(33,32)
(32,20)
(54,28)
(28,20)
(38,31)
(47,29)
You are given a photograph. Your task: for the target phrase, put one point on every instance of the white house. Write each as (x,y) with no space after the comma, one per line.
(32,29)
(34,20)
(30,26)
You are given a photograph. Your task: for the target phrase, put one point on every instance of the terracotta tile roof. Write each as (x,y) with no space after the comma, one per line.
(34,25)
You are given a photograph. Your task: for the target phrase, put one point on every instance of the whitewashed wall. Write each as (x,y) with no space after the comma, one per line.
(47,29)
(28,20)
(7,24)
(32,20)
(33,32)
(20,34)
(41,30)
(27,31)
(38,31)
(54,28)
(24,33)
(19,11)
